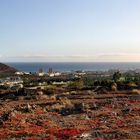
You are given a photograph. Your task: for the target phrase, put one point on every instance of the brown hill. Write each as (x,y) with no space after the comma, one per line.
(5,68)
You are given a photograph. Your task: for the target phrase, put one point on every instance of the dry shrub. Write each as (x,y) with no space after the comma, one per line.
(64,103)
(44,97)
(57,107)
(74,92)
(52,97)
(135,91)
(66,93)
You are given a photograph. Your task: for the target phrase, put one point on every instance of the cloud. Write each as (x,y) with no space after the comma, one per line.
(103,57)
(120,54)
(31,56)
(123,57)
(52,56)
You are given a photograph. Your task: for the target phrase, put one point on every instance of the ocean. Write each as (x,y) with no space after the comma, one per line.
(74,66)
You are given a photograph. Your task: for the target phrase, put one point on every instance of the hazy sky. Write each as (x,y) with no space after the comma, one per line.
(69,30)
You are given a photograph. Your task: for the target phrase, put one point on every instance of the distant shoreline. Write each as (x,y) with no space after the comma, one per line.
(74,66)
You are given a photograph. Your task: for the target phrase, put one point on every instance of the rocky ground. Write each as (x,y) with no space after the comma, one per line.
(73,116)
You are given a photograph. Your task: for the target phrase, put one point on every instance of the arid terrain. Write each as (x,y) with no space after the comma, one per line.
(70,106)
(74,115)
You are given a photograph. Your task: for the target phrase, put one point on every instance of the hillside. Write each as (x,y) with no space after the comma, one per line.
(6,69)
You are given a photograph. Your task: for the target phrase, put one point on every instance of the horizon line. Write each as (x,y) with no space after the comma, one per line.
(73,62)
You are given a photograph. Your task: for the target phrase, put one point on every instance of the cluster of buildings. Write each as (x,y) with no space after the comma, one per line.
(11,81)
(50,73)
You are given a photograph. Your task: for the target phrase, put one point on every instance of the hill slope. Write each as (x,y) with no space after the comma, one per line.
(5,68)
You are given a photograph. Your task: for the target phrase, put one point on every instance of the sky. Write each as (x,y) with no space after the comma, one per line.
(70,30)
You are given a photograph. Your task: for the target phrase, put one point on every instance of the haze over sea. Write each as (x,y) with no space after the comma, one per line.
(74,66)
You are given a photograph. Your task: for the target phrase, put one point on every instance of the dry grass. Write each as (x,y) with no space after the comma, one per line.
(136,91)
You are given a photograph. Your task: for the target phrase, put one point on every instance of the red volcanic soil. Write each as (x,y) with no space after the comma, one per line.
(104,119)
